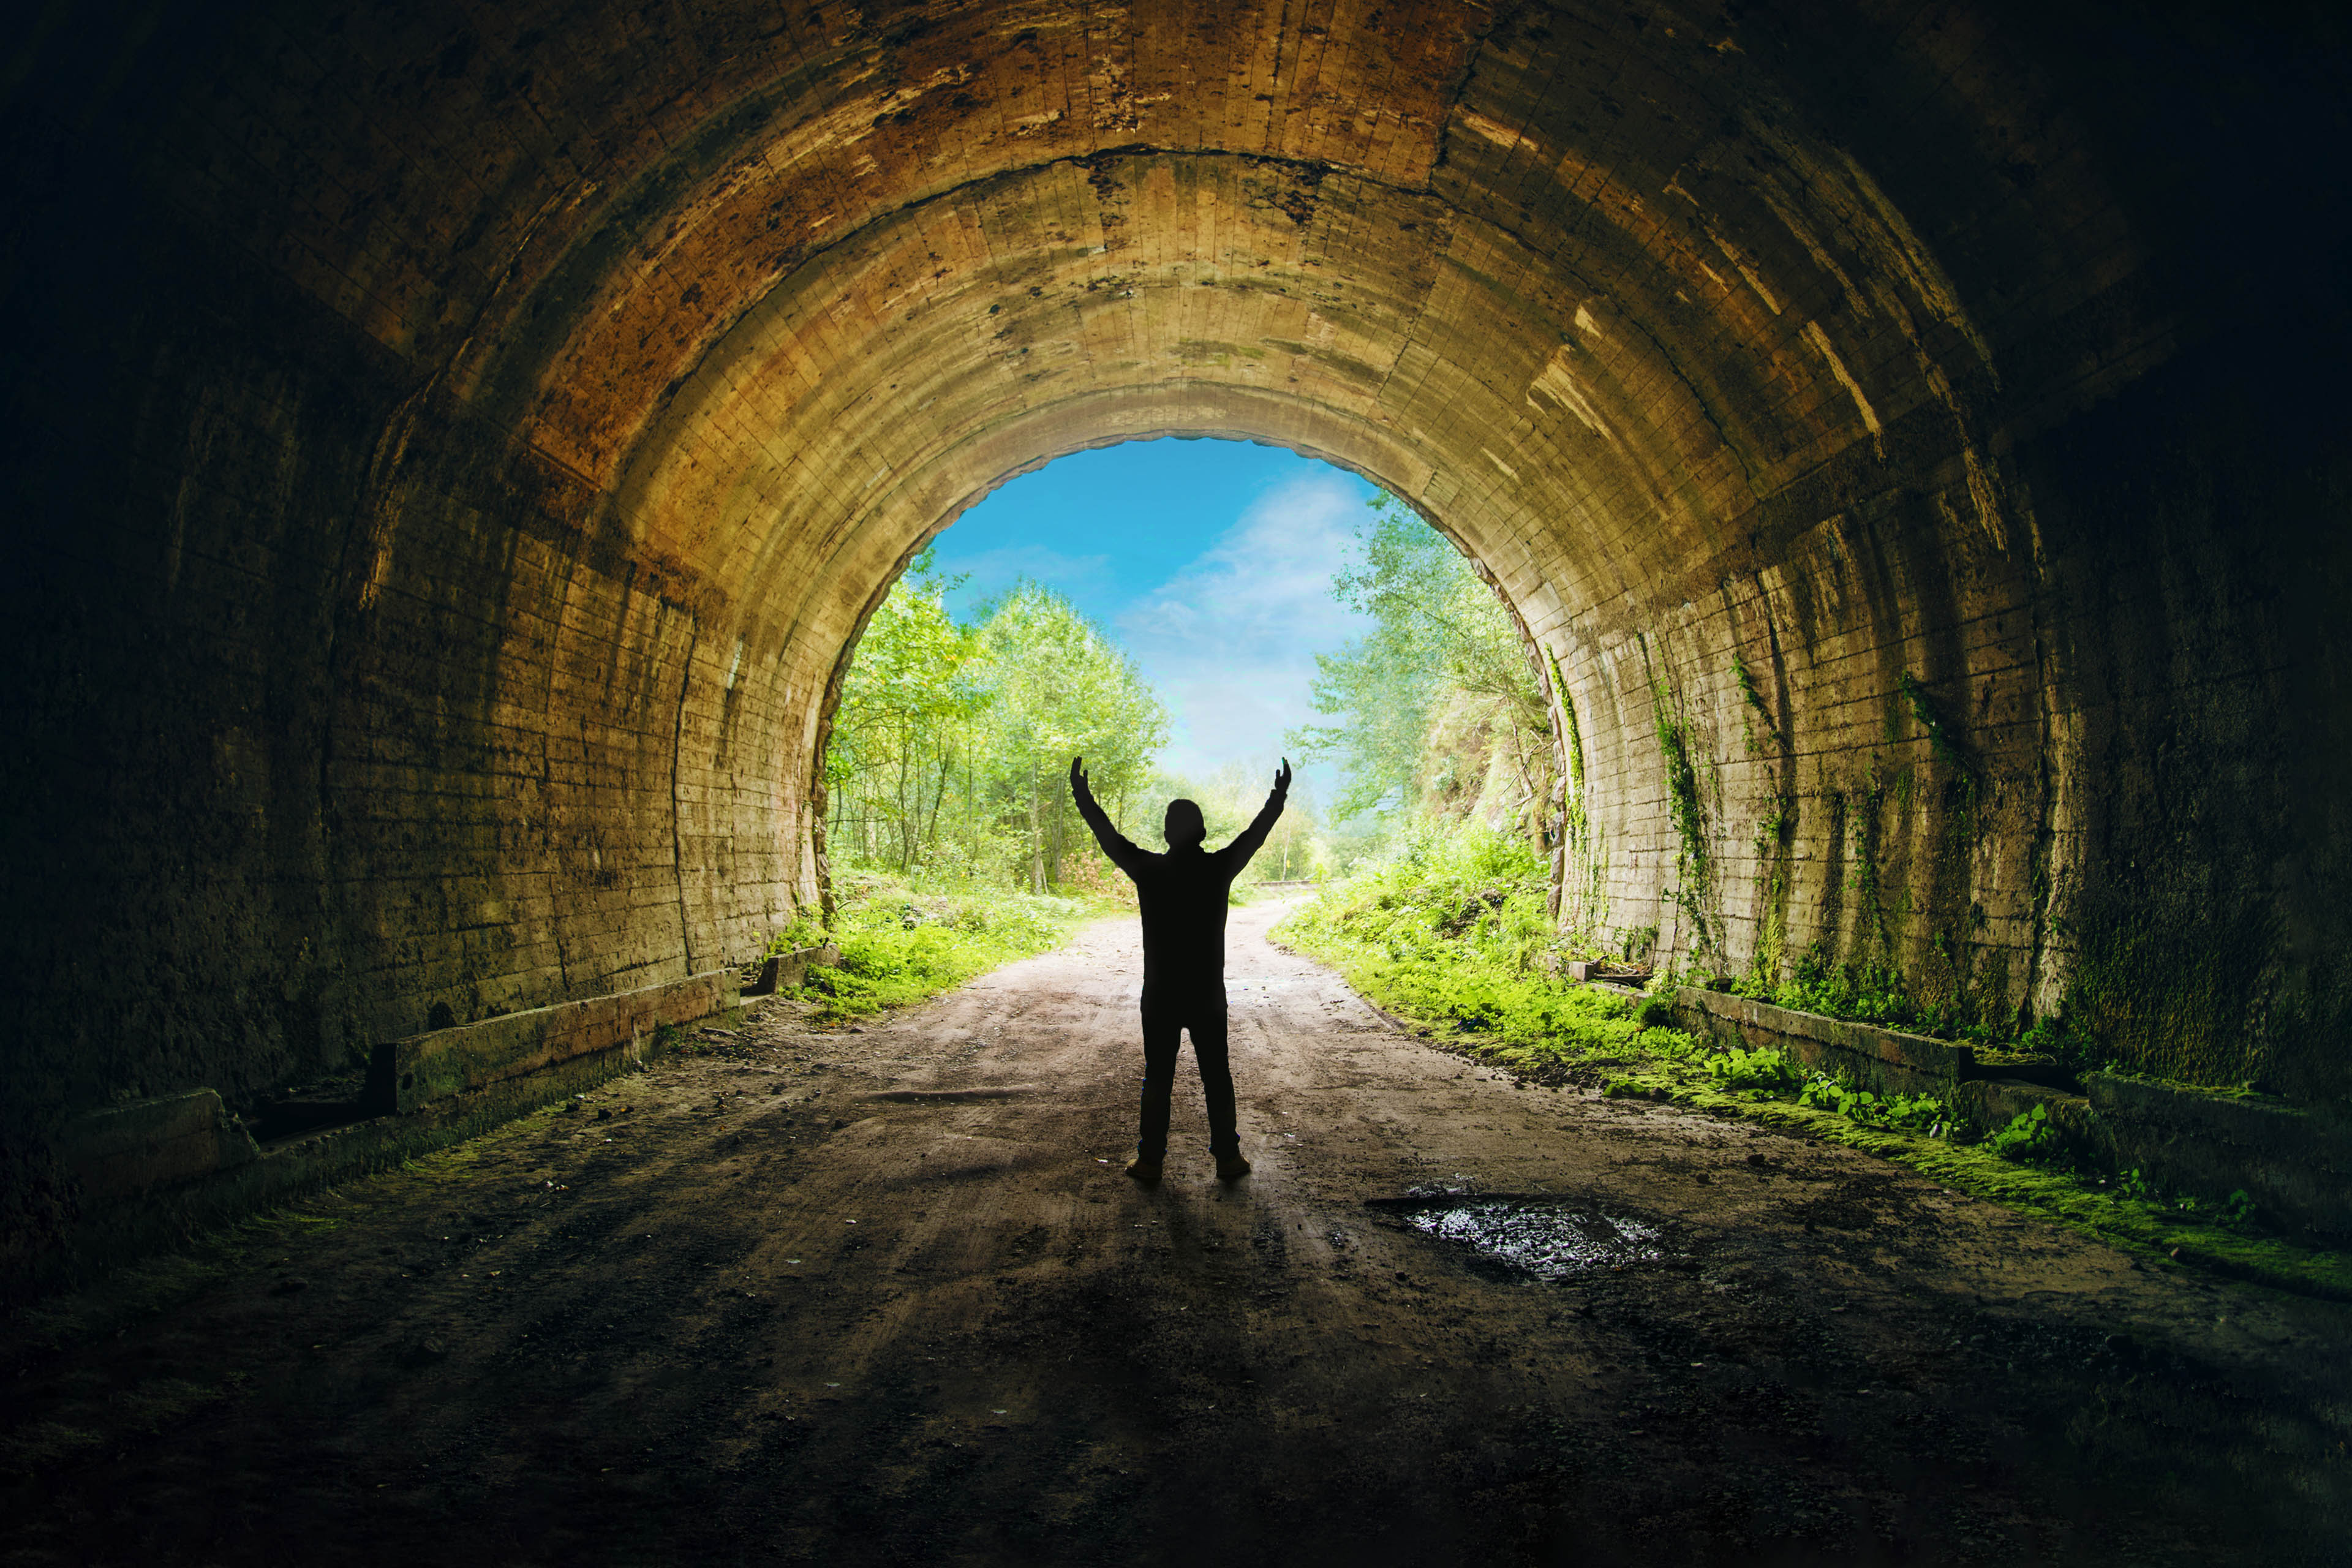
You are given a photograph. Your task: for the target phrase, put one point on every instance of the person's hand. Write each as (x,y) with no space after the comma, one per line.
(1078,777)
(1281,778)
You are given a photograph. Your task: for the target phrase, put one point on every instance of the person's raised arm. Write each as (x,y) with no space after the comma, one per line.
(1122,852)
(1238,854)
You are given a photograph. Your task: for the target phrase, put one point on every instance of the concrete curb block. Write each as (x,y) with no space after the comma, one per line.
(124,1150)
(1884,1061)
(2295,1164)
(403,1075)
(784,971)
(155,1172)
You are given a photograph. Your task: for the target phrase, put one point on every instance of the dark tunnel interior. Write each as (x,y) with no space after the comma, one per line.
(453,451)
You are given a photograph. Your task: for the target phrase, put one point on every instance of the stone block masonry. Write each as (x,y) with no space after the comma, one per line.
(2293,1161)
(404,1075)
(433,553)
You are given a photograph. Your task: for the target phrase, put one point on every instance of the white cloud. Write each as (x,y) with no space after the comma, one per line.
(1229,639)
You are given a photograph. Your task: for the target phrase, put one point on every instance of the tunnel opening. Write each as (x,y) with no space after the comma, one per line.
(1155,605)
(443,572)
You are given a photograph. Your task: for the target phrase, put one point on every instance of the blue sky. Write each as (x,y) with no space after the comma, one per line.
(1210,561)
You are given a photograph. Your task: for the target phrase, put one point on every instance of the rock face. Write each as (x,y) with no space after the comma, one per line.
(452,453)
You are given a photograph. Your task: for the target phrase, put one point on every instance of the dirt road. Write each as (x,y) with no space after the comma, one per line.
(886,1297)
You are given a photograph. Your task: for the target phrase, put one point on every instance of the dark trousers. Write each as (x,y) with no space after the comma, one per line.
(1161,1032)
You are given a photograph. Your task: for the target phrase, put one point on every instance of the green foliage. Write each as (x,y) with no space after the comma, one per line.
(1755,698)
(1439,704)
(2061,1040)
(804,932)
(951,743)
(1940,739)
(901,943)
(2028,1136)
(1693,867)
(1453,928)
(1915,1112)
(1868,992)
(1763,1067)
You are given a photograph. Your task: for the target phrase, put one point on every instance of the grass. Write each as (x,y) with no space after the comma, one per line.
(901,942)
(1451,938)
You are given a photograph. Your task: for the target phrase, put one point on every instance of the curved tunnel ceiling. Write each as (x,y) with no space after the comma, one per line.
(1555,280)
(563,385)
(1586,289)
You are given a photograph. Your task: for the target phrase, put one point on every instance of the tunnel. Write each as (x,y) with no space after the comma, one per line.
(453,451)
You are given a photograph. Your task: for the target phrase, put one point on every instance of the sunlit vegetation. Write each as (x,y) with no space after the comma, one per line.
(901,942)
(1438,712)
(953,841)
(1451,930)
(952,739)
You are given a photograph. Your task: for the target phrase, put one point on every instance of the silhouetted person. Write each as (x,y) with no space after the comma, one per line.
(1184,897)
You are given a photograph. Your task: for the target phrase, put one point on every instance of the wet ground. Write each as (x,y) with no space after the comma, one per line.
(886,1297)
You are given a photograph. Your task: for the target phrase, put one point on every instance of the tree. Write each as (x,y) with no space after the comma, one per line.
(1440,706)
(1062,689)
(903,720)
(951,740)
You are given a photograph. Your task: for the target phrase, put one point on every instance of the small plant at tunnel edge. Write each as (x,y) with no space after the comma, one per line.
(1912,1112)
(2028,1136)
(1764,1068)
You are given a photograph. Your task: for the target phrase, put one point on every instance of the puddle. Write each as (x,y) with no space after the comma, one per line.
(1540,1238)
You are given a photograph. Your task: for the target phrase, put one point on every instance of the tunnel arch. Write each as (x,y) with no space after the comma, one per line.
(452,508)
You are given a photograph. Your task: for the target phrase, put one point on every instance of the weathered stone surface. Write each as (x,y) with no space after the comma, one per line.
(128,1150)
(1885,1060)
(439,533)
(2295,1164)
(784,971)
(405,1074)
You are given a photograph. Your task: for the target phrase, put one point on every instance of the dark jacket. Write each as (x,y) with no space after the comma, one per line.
(1184,897)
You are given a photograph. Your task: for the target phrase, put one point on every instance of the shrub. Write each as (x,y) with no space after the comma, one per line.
(1452,927)
(899,945)
(1765,1068)
(2028,1136)
(1911,1112)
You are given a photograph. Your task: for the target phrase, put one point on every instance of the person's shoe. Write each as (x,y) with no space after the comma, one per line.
(1143,1170)
(1231,1167)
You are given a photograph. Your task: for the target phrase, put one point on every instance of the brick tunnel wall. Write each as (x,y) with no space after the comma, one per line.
(450,459)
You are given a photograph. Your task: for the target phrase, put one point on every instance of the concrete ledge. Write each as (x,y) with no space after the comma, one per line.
(404,1075)
(126,1221)
(1886,1061)
(136,1147)
(784,971)
(2295,1163)
(2292,1162)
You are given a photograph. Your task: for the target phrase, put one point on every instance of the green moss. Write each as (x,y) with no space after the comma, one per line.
(1941,740)
(1693,866)
(1755,698)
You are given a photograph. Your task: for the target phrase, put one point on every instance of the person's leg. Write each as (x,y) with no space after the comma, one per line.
(1216,1082)
(1160,1040)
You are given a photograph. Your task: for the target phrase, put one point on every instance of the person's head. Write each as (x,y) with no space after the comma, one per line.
(1185,826)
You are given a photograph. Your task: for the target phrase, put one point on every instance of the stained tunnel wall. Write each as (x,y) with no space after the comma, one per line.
(445,482)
